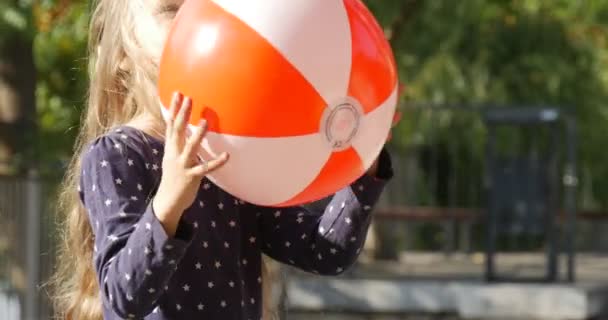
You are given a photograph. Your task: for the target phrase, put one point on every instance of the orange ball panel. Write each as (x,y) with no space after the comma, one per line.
(373,75)
(342,168)
(217,71)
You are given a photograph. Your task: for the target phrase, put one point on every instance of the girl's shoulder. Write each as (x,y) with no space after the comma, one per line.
(124,144)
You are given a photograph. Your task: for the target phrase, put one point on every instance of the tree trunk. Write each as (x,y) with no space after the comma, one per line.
(17,102)
(17,130)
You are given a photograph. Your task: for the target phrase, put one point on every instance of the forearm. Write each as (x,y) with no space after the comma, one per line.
(134,268)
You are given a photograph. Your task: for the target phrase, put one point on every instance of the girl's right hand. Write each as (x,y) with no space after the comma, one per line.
(182,168)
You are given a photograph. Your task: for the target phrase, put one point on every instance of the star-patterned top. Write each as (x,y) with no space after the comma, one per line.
(211,268)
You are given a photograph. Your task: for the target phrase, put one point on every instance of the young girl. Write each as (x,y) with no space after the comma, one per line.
(146,235)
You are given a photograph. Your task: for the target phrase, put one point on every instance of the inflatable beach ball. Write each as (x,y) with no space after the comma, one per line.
(301,93)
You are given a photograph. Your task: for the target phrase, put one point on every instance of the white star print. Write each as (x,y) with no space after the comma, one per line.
(195,225)
(122,214)
(103,163)
(259,279)
(287,244)
(277,214)
(172,261)
(112,238)
(303,236)
(148,226)
(232,223)
(366,208)
(347,220)
(134,198)
(200,306)
(201,204)
(231,284)
(210,284)
(147,251)
(223,304)
(151,290)
(220,206)
(118,181)
(198,266)
(139,187)
(226,245)
(361,188)
(168,247)
(147,166)
(93,188)
(300,220)
(130,162)
(212,224)
(206,186)
(117,146)
(331,230)
(127,276)
(320,257)
(123,136)
(155,167)
(333,250)
(148,272)
(244,261)
(218,265)
(108,202)
(129,297)
(252,239)
(321,229)
(178,307)
(155,310)
(338,270)
(331,208)
(252,301)
(186,288)
(154,151)
(353,239)
(205,244)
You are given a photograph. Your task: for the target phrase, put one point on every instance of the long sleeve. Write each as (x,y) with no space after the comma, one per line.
(325,240)
(133,256)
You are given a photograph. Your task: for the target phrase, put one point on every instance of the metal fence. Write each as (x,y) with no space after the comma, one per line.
(26,246)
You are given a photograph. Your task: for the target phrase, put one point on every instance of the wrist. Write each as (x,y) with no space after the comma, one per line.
(167,215)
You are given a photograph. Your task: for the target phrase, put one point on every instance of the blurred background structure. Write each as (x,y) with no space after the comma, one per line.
(499,204)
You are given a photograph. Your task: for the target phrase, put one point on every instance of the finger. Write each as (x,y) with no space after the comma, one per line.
(210,166)
(183,115)
(176,100)
(195,140)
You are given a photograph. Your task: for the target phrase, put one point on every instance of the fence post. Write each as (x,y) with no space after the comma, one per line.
(32,245)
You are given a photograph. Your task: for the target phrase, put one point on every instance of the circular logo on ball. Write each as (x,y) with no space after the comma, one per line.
(340,123)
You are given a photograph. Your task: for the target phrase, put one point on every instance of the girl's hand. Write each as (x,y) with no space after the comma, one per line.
(182,168)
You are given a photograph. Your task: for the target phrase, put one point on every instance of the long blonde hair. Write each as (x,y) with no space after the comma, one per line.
(121,79)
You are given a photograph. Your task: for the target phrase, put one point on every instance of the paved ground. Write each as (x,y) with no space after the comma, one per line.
(433,286)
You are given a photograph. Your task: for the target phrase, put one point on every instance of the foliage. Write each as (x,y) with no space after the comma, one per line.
(509,53)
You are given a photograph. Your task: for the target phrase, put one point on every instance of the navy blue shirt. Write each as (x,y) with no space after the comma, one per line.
(211,268)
